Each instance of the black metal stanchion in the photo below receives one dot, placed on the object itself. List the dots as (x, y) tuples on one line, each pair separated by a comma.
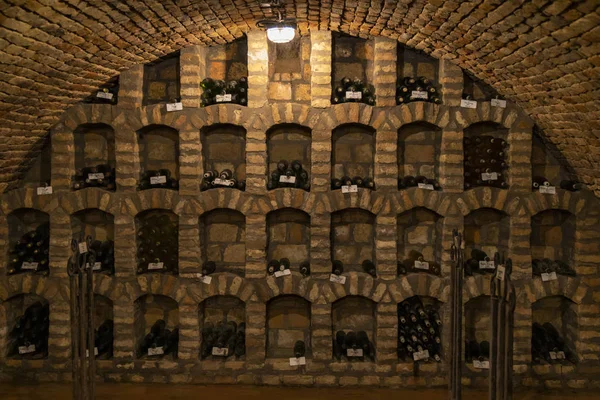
[(457, 253)]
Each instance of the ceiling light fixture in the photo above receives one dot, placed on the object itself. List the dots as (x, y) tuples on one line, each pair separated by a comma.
[(279, 30)]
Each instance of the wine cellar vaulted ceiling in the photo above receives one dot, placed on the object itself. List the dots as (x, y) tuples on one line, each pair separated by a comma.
[(544, 55)]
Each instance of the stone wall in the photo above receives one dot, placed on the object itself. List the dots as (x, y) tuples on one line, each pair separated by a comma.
[(352, 58), (94, 144), (488, 230), (419, 150), (289, 142), (353, 152), (158, 148), (352, 238), (288, 321), (93, 222), (289, 71), (288, 236), (161, 80), (223, 240), (228, 62), (553, 235), (420, 230), (224, 147)]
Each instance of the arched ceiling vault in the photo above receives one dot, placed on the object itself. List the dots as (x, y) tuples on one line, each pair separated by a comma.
[(544, 55)]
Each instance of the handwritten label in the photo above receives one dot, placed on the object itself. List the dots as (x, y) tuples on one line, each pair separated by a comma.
[(82, 247), (155, 266), (427, 186), (549, 276), (105, 95), (500, 272), (285, 272), (157, 351), (548, 189), (489, 176), (27, 349), (220, 351), (422, 265), (486, 264), (174, 107), (353, 95), (294, 362), (222, 182), (354, 352), (205, 279), (498, 103), (287, 179), (418, 94), (560, 355), (29, 265), (337, 279), (157, 180), (96, 267), (350, 189), (481, 364), (96, 176), (421, 355), (468, 103), (44, 190), (221, 98)]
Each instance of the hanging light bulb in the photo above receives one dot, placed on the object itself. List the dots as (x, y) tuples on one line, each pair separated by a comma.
[(281, 33)]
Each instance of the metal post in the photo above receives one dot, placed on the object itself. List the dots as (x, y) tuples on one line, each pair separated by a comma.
[(457, 253)]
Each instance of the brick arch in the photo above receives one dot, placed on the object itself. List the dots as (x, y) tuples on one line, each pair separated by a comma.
[(475, 286), (90, 198), (291, 198), (419, 285), (366, 199), (42, 286), (213, 199), (294, 284), (227, 113), (347, 113), (223, 284), (155, 114), (409, 199), (149, 199), (487, 197), (110, 287), (158, 284), (357, 284), (563, 200), (291, 113), (27, 198), (572, 288), (82, 114), (418, 111), (506, 117)]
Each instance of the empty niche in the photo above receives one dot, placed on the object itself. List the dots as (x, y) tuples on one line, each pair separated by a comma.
[(487, 231), (352, 59), (289, 70), (474, 89), (288, 144), (223, 240), (223, 326), (157, 241), (353, 155), (161, 80), (416, 71), (545, 167), (224, 153), (288, 321), (353, 317), (39, 170), (477, 329), (158, 147), (353, 238), (100, 226), (419, 241), (485, 149), (156, 326), (103, 320), (288, 236), (94, 157), (107, 93), (419, 329), (27, 324), (226, 73), (553, 242), (28, 241), (418, 154), (554, 330)]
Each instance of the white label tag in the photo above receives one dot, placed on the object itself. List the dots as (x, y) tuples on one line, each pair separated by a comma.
[(481, 364), (549, 276), (221, 98), (498, 103), (354, 95), (29, 265), (285, 272), (350, 189), (82, 247), (552, 355), (422, 265), (491, 176), (220, 351), (96, 176), (44, 190), (500, 271), (222, 182), (421, 355), (155, 266), (337, 278), (418, 94), (156, 180), (426, 186), (560, 355), (87, 352), (96, 267), (487, 264), (294, 362), (205, 279), (27, 349), (548, 189), (287, 179), (105, 95), (174, 107), (468, 103), (158, 351), (354, 353)]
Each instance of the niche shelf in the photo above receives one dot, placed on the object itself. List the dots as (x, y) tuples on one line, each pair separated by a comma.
[(487, 231), (545, 167), (353, 238), (289, 70), (553, 242), (477, 332), (353, 314), (353, 156), (39, 171), (417, 77), (287, 143), (419, 246), (226, 73), (418, 155), (107, 93), (157, 241), (554, 331), (474, 89), (94, 157), (288, 321), (27, 320), (485, 147), (419, 329), (288, 236), (103, 327), (164, 338), (352, 59), (223, 240), (224, 154), (28, 241), (100, 226), (222, 325), (159, 157), (161, 80)]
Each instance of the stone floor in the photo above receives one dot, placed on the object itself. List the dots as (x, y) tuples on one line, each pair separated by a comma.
[(169, 392)]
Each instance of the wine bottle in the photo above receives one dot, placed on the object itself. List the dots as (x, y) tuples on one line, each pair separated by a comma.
[(369, 268), (299, 349), (571, 186), (479, 255), (338, 267), (282, 166), (540, 181), (284, 264), (273, 266), (305, 268), (368, 183), (358, 181), (346, 181), (409, 181), (351, 342), (336, 184), (208, 267)]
